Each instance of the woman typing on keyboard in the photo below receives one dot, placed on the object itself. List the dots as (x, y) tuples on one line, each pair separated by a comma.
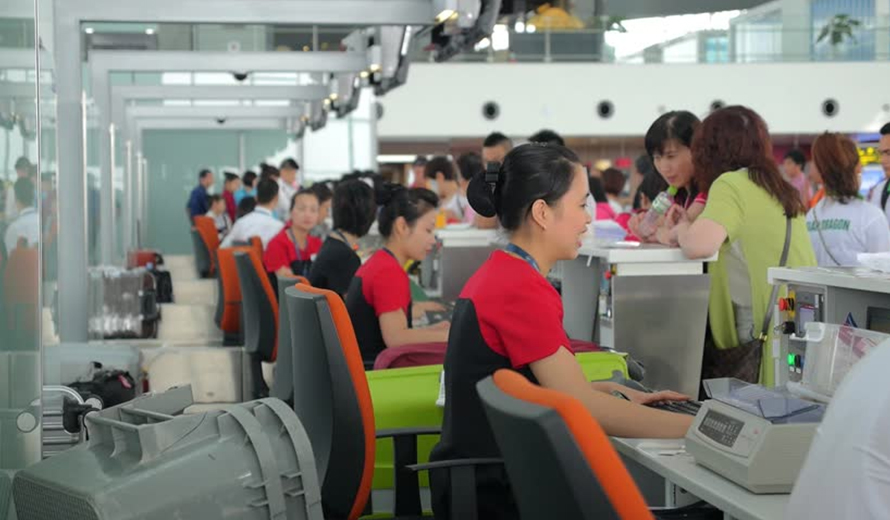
[(509, 316)]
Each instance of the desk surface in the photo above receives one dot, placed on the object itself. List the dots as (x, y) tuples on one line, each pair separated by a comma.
[(643, 254), (856, 278), (682, 470)]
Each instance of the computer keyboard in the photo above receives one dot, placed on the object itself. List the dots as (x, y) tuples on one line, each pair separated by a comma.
[(687, 407)]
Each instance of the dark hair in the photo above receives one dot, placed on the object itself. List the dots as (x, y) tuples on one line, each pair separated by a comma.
[(677, 125), (736, 137), (353, 207), (597, 190), (885, 130), (469, 164), (397, 201), (529, 172), (22, 163), (644, 165), (497, 139), (836, 158), (230, 177), (797, 156), (613, 181), (204, 173), (248, 178), (24, 191), (268, 172), (301, 193), (440, 164), (420, 160), (547, 137), (246, 205), (266, 191), (213, 199), (322, 191), (289, 164), (653, 184)]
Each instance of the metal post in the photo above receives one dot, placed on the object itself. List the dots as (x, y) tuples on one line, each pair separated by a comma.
[(547, 57), (144, 210), (112, 165), (242, 152), (72, 200), (129, 199), (101, 98)]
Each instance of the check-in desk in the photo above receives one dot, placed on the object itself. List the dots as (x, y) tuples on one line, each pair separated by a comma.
[(649, 301), (460, 253), (852, 296)]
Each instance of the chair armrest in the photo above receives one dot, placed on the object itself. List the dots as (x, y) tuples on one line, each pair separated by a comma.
[(442, 464), (413, 431)]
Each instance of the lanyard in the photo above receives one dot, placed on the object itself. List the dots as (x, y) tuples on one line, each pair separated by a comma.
[(343, 238), (296, 245), (523, 254)]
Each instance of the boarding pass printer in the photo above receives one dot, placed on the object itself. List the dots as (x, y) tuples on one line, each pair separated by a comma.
[(753, 436)]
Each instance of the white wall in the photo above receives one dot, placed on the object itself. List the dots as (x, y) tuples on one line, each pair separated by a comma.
[(445, 100)]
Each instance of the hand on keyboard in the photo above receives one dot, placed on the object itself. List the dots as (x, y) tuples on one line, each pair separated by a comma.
[(651, 398)]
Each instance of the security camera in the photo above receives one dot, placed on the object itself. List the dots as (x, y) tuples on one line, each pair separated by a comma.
[(605, 109), (830, 107), (221, 120), (240, 76)]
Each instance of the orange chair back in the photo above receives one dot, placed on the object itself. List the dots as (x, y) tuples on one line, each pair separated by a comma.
[(207, 229)]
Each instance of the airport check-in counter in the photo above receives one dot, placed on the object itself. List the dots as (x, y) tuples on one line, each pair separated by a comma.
[(851, 296), (459, 254), (649, 301)]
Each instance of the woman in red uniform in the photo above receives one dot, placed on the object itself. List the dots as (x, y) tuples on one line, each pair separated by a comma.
[(379, 297), (509, 316), (291, 252)]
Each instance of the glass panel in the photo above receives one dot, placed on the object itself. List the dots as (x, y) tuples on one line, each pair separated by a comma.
[(20, 231)]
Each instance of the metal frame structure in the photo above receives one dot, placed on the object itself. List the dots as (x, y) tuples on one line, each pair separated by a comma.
[(103, 63), (152, 123), (68, 16), (122, 95)]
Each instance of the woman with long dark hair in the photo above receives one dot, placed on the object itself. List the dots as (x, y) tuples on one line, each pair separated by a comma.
[(750, 211)]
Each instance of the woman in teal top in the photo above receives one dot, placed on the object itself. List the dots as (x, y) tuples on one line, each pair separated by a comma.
[(745, 221)]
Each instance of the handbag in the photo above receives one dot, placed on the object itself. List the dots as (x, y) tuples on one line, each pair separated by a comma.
[(743, 362)]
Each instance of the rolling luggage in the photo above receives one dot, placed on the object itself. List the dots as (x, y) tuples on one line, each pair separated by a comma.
[(124, 303)]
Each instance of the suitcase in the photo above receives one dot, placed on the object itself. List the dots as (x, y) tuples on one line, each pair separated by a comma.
[(124, 303), (144, 257), (164, 283)]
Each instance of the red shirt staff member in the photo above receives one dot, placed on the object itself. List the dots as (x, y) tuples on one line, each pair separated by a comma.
[(509, 316), (291, 252), (379, 297)]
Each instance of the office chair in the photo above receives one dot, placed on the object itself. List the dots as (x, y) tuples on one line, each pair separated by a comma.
[(203, 263), (259, 309), (207, 230), (283, 383), (574, 471), (332, 398), (228, 304), (257, 244)]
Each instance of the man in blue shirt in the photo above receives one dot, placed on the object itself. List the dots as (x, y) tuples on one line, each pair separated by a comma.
[(198, 204)]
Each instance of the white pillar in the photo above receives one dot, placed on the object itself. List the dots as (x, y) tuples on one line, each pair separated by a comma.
[(797, 34), (882, 34)]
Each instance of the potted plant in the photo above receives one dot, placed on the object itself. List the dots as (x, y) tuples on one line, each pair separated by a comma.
[(837, 31)]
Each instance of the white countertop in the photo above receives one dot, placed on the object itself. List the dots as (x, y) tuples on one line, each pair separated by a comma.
[(681, 469), (642, 254), (856, 278), (460, 236)]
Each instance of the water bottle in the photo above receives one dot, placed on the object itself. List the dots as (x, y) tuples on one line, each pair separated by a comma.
[(660, 206)]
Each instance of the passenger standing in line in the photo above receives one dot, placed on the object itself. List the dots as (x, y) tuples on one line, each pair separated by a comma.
[(748, 210), (468, 165), (324, 194), (198, 204), (260, 222), (880, 194), (23, 170), (613, 183), (26, 225), (288, 185), (231, 184), (842, 225), (668, 143), (793, 164), (247, 187)]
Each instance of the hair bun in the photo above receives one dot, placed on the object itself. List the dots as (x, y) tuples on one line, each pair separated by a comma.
[(481, 196), (385, 192)]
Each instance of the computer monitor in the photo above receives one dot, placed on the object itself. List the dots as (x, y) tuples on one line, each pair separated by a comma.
[(145, 462), (877, 320)]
